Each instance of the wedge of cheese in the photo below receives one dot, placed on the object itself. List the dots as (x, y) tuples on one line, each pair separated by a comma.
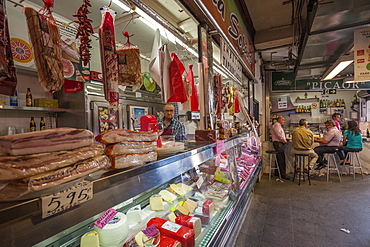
[(182, 209), (141, 239), (190, 206), (171, 217), (156, 203), (90, 239), (185, 187), (177, 189), (167, 196)]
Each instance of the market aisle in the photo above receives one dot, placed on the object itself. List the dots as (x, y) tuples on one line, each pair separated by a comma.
[(285, 214)]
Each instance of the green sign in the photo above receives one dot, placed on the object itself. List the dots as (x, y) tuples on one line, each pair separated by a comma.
[(285, 81)]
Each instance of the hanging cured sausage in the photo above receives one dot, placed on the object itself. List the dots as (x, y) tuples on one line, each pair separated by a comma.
[(45, 41), (108, 56), (8, 79)]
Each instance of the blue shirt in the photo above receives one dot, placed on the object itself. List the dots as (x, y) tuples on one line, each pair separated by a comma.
[(353, 141), (178, 129)]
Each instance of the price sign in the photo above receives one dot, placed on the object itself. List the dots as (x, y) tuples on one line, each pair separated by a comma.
[(65, 199), (220, 147)]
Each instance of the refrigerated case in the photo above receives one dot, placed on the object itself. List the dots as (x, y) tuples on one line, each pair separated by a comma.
[(22, 223)]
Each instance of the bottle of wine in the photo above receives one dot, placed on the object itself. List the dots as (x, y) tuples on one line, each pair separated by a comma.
[(42, 124), (28, 97), (32, 125), (367, 133)]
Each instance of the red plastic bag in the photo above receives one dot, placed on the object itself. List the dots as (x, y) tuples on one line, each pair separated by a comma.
[(178, 89)]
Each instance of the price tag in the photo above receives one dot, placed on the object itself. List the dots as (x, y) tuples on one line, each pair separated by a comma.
[(200, 182), (138, 95), (220, 147), (65, 199)]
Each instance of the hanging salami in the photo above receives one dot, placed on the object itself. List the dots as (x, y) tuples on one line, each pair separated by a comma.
[(129, 65), (108, 56), (84, 31), (45, 41), (8, 79)]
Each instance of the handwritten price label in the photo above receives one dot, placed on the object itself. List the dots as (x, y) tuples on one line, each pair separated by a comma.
[(220, 147), (65, 199)]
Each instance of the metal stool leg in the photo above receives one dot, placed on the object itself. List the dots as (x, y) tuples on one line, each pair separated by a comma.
[(277, 166), (359, 164), (270, 158)]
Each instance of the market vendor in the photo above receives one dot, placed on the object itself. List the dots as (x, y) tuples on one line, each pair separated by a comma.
[(171, 125)]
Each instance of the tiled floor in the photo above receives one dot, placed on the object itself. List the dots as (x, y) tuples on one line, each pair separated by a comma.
[(285, 214)]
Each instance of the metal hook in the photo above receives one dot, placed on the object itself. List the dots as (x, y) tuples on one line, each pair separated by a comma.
[(129, 21)]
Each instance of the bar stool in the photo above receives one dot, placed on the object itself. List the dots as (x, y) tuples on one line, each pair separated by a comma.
[(273, 159), (300, 163), (354, 162), (332, 165)]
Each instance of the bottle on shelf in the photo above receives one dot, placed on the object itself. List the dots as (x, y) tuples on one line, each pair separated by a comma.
[(343, 104), (42, 124), (14, 99), (28, 97), (32, 125), (367, 133)]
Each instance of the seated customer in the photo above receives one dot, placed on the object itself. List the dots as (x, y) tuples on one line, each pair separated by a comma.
[(352, 140), (302, 142), (328, 143)]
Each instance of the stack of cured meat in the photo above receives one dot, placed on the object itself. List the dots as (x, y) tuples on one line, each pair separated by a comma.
[(43, 159), (127, 148)]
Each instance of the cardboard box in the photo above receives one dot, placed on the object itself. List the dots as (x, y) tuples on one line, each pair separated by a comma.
[(49, 103)]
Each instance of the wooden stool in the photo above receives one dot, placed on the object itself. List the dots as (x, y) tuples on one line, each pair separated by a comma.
[(273, 159), (354, 162), (299, 166), (332, 165)]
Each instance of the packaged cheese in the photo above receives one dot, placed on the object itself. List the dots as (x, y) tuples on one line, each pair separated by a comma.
[(191, 222), (156, 203), (167, 196), (177, 189), (208, 208), (183, 234), (168, 242)]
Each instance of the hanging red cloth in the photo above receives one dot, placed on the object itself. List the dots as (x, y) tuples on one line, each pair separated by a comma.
[(178, 89), (236, 104), (194, 101)]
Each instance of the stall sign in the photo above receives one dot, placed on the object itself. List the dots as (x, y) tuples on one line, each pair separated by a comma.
[(230, 61), (230, 20), (65, 199), (362, 54), (283, 81)]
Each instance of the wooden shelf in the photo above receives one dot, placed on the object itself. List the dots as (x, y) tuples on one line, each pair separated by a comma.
[(309, 100), (28, 108)]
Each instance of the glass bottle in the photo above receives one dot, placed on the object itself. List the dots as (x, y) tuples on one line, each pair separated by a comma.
[(42, 124), (32, 125), (14, 99), (28, 97)]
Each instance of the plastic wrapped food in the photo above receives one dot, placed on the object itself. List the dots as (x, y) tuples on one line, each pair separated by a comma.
[(129, 64), (50, 140), (130, 148), (108, 56), (191, 222), (45, 40), (123, 135), (129, 160), (8, 79), (17, 167), (54, 180), (178, 232)]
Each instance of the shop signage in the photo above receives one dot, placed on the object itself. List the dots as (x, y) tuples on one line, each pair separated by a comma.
[(329, 91), (362, 54), (230, 61), (229, 19), (285, 81), (65, 199)]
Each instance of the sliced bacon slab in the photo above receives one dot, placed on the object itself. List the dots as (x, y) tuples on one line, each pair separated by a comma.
[(122, 135), (22, 166), (46, 141), (129, 160), (130, 148)]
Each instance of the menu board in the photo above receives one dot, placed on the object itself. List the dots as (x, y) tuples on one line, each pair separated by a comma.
[(108, 118)]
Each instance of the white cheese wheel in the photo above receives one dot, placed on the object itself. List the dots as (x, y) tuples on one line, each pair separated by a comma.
[(115, 232)]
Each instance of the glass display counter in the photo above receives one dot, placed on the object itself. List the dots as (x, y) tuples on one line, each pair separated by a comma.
[(223, 173)]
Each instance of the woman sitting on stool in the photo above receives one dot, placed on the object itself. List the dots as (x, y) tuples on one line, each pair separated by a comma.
[(352, 141)]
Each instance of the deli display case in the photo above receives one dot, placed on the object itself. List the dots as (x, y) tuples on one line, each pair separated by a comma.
[(223, 173)]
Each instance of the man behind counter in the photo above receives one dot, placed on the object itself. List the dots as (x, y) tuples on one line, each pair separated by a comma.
[(171, 125)]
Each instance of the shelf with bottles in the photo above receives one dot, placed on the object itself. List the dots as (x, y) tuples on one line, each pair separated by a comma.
[(335, 103), (303, 109)]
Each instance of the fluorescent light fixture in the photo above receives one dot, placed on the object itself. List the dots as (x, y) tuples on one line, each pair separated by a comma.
[(121, 5), (338, 66)]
